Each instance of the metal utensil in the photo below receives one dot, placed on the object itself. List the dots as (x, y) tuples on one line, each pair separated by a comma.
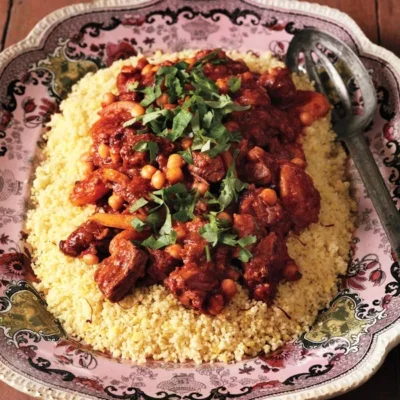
[(323, 57)]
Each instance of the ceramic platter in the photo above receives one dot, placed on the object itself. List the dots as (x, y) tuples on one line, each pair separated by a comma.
[(351, 338)]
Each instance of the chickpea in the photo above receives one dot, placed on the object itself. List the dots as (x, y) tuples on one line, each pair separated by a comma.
[(247, 76), (90, 259), (115, 157), (228, 288), (108, 98), (174, 175), (291, 272), (103, 150), (158, 179), (225, 216), (148, 171), (269, 196), (85, 156), (186, 143), (115, 202), (175, 251), (180, 232), (222, 86), (255, 153), (298, 161), (175, 161), (215, 304), (306, 118), (147, 69), (137, 110), (88, 167), (163, 99), (201, 187)]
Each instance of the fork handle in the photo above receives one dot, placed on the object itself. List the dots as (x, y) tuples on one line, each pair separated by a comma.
[(376, 188)]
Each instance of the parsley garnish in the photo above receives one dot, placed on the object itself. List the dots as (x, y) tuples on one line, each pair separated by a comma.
[(217, 231), (151, 147), (201, 114), (231, 187), (234, 84), (138, 204), (187, 155), (138, 224)]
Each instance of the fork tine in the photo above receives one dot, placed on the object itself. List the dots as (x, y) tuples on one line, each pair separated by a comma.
[(339, 83), (312, 72)]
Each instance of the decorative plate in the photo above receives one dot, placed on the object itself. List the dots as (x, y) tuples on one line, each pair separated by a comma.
[(351, 338)]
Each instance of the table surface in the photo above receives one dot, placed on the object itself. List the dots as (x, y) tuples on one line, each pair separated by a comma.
[(377, 18)]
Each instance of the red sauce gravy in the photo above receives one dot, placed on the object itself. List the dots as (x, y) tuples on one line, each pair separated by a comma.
[(279, 196)]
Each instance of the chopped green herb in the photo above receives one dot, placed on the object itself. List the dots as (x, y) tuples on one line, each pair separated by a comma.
[(161, 241), (151, 147), (207, 250), (132, 86), (250, 239), (231, 187), (138, 224), (185, 204), (186, 155), (234, 84), (138, 204), (154, 220), (206, 58), (244, 255), (179, 124)]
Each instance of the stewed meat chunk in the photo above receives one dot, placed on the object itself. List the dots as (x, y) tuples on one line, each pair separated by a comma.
[(160, 265), (210, 169), (90, 235), (279, 85), (267, 267), (200, 289), (117, 274), (299, 196), (89, 190)]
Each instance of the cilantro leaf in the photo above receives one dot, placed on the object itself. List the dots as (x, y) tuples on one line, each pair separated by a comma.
[(210, 232), (151, 92), (138, 204), (132, 86), (154, 220), (179, 124), (244, 255), (167, 226), (234, 84), (138, 224), (161, 241), (228, 239), (249, 239), (207, 250), (151, 147), (206, 58), (186, 155), (231, 187), (185, 204), (154, 115)]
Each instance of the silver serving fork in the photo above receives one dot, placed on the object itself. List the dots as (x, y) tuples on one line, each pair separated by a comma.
[(324, 56)]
